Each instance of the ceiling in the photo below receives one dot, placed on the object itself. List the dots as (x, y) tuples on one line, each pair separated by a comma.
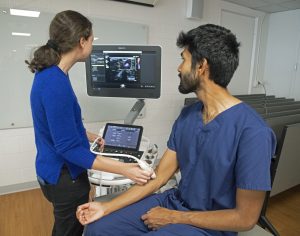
[(268, 6)]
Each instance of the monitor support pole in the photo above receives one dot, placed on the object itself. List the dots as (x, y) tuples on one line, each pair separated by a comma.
[(134, 112)]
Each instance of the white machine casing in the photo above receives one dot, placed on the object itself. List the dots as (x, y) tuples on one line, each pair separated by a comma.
[(146, 162)]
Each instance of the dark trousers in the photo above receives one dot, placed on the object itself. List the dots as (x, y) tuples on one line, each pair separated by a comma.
[(65, 197)]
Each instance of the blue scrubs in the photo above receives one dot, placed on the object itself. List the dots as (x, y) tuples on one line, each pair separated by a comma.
[(232, 151)]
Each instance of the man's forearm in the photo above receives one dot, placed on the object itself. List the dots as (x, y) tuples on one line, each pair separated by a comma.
[(132, 195), (221, 220), (164, 171), (243, 217)]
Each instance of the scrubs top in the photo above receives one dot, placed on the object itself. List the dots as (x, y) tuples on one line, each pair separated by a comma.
[(232, 151)]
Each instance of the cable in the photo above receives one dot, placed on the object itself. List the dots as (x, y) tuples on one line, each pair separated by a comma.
[(141, 163), (262, 84), (265, 99), (259, 48)]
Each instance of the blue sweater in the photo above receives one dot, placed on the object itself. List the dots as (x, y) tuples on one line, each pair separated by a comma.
[(59, 133)]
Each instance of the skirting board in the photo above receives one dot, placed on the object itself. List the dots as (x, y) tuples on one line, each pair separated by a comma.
[(18, 187), (256, 231)]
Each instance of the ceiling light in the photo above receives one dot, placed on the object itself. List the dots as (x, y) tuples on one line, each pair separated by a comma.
[(95, 38), (18, 12), (20, 34)]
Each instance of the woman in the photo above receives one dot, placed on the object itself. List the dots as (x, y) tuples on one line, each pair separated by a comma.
[(62, 142)]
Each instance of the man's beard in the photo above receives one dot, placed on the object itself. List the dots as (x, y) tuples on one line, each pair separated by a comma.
[(188, 83)]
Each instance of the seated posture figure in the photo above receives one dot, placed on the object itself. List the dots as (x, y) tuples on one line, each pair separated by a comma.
[(220, 145)]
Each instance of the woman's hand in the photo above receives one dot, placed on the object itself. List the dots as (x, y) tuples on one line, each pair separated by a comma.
[(89, 212), (136, 174), (92, 137)]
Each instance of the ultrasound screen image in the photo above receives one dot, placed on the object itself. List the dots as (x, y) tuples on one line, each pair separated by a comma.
[(125, 69)]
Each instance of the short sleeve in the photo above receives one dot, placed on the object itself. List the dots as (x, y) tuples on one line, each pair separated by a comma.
[(172, 138), (255, 150)]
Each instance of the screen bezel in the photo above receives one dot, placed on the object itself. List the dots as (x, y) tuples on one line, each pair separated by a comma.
[(126, 92), (124, 125)]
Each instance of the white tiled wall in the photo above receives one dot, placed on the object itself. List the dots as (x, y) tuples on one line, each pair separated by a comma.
[(165, 21)]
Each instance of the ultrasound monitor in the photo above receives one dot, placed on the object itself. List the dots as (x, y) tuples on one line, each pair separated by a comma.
[(119, 136), (128, 71)]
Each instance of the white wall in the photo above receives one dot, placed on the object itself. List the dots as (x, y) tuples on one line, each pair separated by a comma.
[(282, 54), (165, 21), (261, 56)]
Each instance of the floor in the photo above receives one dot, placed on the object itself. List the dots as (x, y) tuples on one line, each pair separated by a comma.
[(29, 214)]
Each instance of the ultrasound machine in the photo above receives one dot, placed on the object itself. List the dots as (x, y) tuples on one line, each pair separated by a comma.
[(125, 71)]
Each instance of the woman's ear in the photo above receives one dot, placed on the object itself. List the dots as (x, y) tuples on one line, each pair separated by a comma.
[(82, 42)]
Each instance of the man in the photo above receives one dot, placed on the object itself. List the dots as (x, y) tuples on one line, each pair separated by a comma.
[(221, 146)]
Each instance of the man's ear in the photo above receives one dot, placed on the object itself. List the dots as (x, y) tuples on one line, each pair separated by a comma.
[(202, 66)]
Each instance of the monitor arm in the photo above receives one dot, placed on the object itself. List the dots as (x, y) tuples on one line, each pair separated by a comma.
[(134, 112)]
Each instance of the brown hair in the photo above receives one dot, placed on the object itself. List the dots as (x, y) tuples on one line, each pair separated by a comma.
[(65, 32)]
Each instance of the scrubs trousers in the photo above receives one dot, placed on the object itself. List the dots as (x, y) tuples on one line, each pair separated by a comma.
[(127, 221)]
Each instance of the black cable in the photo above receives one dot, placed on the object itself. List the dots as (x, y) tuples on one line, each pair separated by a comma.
[(265, 100)]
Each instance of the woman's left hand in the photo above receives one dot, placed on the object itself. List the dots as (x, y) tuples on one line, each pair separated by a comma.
[(92, 137)]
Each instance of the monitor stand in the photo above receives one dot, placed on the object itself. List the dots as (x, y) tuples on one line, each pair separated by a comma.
[(134, 112)]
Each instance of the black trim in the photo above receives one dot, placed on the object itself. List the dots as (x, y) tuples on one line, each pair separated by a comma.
[(127, 92), (133, 2)]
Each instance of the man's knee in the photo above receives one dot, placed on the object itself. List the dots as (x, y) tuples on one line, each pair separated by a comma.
[(179, 230), (105, 226), (94, 229)]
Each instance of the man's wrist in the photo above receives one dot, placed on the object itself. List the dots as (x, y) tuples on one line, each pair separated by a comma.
[(175, 217), (106, 208)]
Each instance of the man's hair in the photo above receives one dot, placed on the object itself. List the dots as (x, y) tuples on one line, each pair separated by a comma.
[(217, 45)]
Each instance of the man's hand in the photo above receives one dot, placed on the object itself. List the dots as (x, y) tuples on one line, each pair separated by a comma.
[(158, 217), (89, 212)]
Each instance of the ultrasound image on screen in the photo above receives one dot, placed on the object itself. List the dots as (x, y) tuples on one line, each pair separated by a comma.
[(116, 70), (122, 68)]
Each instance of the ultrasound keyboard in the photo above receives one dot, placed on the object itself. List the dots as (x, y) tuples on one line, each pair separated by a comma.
[(137, 154)]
